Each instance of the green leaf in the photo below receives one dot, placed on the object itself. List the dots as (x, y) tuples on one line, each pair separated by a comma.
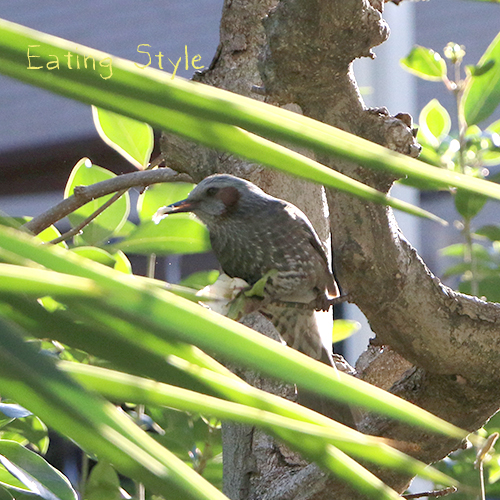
[(468, 205), (159, 195), (213, 117), (11, 482), (46, 235), (200, 279), (103, 483), (490, 231), (488, 287), (125, 230), (34, 430), (492, 156), (112, 219), (425, 63), (5, 495), (482, 91), (258, 288), (122, 263), (458, 250), (435, 122), (39, 282), (343, 329), (134, 140), (35, 473), (182, 234), (96, 254), (96, 425), (296, 432), (51, 233), (172, 319)]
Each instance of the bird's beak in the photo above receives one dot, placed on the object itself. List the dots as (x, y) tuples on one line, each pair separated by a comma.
[(174, 208)]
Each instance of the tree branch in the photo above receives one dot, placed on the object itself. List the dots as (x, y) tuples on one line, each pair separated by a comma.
[(84, 194), (75, 230), (305, 61)]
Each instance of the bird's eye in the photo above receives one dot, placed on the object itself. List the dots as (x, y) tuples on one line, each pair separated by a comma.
[(211, 191)]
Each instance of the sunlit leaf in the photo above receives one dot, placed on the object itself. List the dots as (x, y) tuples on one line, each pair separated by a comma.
[(482, 90), (425, 63), (134, 140), (96, 254), (182, 234), (435, 122), (104, 225), (37, 475), (343, 329)]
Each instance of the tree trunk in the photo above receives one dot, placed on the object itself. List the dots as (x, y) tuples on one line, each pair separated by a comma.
[(435, 347)]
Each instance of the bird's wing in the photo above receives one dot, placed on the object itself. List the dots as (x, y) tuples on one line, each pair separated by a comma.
[(331, 284)]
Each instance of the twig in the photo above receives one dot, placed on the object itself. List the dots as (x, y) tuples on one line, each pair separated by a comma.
[(433, 494), (89, 219), (84, 194)]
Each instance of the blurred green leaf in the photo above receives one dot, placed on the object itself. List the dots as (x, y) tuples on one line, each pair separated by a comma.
[(182, 234), (303, 436), (490, 231), (482, 91), (51, 233), (480, 269), (492, 155), (125, 230), (169, 318), (200, 279), (33, 429), (134, 140), (435, 122), (159, 195), (112, 219), (425, 63), (5, 495), (468, 205), (343, 329), (122, 263), (459, 249), (488, 287), (11, 482), (96, 254), (39, 282), (103, 483), (96, 425), (35, 473)]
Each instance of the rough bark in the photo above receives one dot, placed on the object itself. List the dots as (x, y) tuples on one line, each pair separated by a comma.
[(435, 347)]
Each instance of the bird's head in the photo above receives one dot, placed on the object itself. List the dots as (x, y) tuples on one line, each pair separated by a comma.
[(216, 197)]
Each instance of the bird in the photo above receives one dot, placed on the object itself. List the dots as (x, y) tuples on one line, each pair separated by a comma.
[(254, 234)]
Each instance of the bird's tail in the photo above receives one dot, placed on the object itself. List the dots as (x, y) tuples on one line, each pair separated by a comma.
[(309, 332), (302, 328)]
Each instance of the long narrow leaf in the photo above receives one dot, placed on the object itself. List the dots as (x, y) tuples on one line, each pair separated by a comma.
[(41, 282), (96, 425), (123, 387), (206, 114), (178, 319), (118, 94)]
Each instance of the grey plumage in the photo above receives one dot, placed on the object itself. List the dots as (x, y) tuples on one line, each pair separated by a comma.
[(253, 233)]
